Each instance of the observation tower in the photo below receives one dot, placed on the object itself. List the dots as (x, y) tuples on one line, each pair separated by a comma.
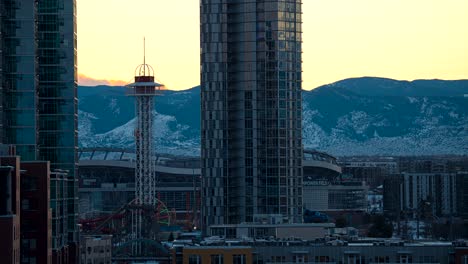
[(144, 89)]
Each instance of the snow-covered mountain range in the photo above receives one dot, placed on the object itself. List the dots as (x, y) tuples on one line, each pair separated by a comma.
[(360, 116)]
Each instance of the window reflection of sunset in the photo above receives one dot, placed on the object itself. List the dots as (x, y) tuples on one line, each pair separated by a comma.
[(342, 38)]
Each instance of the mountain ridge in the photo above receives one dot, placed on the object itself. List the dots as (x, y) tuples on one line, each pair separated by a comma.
[(356, 116)]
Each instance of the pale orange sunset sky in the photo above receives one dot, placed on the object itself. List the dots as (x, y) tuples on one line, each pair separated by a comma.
[(400, 39)]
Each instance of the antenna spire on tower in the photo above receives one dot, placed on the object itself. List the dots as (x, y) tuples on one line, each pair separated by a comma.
[(144, 54)]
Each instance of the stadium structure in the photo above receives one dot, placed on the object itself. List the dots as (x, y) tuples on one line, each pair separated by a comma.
[(320, 165), (107, 182), (326, 193)]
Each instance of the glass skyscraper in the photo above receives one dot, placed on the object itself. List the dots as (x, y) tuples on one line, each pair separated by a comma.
[(251, 125), (18, 76), (38, 93)]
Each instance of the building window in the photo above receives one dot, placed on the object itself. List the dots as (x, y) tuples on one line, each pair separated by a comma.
[(217, 259), (29, 184), (382, 259), (217, 232), (194, 259), (239, 259), (428, 259), (231, 233), (278, 259), (405, 259), (354, 259), (302, 258), (322, 259), (32, 244)]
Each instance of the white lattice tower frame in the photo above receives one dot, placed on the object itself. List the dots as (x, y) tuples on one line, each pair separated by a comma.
[(145, 157), (144, 90)]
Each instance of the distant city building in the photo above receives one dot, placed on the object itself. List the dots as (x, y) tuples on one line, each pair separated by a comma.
[(433, 164), (438, 189), (96, 249), (354, 253), (389, 165), (417, 193), (335, 196), (251, 117), (373, 176), (334, 251), (38, 80), (372, 170), (422, 165), (271, 230), (217, 255)]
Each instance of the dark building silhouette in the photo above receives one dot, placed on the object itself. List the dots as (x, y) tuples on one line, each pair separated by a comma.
[(251, 102), (38, 95), (25, 209), (9, 208), (462, 194), (36, 215), (392, 195)]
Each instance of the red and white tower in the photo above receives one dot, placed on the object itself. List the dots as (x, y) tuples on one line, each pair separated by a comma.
[(144, 89)]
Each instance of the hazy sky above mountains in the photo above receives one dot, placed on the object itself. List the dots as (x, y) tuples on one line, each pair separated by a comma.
[(400, 39)]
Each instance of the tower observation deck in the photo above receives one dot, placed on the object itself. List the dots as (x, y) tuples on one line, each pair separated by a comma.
[(144, 89)]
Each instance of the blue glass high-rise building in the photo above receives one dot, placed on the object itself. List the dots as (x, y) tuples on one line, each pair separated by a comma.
[(18, 75), (38, 93), (251, 125)]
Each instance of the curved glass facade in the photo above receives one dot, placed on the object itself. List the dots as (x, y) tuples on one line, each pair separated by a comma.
[(57, 97), (251, 110)]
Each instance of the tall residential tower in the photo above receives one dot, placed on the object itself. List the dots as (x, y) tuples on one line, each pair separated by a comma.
[(251, 127), (38, 99)]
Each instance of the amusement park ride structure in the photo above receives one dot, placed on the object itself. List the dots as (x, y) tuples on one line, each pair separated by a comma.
[(145, 212), (136, 225), (144, 89)]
